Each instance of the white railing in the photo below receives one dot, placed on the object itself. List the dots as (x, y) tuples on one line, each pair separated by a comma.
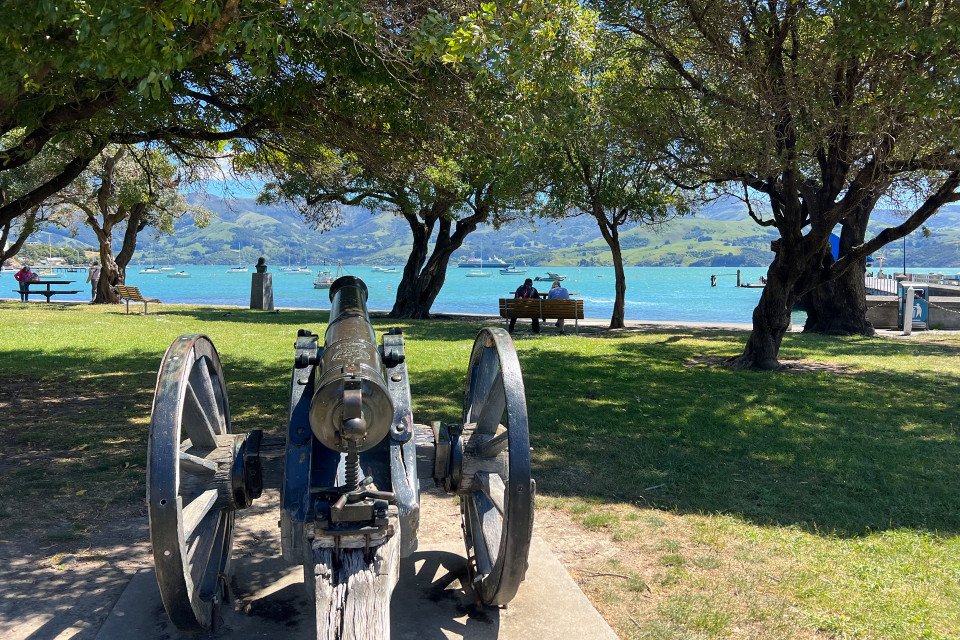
[(934, 278), (889, 284), (883, 285)]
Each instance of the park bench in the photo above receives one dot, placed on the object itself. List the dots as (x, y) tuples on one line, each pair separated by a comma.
[(133, 294), (543, 309)]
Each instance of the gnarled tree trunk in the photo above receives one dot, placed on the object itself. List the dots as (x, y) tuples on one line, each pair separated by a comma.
[(839, 307), (110, 272), (772, 315), (415, 293), (424, 277)]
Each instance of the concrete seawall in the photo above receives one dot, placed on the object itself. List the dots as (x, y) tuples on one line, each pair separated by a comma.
[(943, 312)]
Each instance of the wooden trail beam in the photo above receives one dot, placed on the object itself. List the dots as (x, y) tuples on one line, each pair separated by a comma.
[(353, 590)]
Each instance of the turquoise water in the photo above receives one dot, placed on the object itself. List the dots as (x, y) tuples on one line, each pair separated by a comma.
[(653, 293)]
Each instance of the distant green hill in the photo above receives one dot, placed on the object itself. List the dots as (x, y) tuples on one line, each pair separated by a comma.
[(721, 234)]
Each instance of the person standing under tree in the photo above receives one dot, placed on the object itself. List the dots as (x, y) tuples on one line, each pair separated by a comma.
[(93, 277), (526, 290), (558, 292)]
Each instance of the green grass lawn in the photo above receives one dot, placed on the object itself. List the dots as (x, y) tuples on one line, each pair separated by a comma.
[(816, 504)]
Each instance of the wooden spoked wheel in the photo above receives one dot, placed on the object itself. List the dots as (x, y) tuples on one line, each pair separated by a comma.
[(189, 460), (493, 477)]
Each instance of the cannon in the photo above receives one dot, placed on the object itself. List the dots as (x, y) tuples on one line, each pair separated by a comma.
[(347, 471)]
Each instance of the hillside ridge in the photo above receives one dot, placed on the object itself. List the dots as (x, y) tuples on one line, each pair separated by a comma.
[(719, 234)]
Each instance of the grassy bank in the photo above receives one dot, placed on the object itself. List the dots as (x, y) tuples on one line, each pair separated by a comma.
[(815, 504)]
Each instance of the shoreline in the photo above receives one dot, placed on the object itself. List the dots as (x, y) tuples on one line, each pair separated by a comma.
[(594, 324)]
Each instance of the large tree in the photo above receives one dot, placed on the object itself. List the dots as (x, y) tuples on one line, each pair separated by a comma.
[(598, 167), (820, 106), (448, 151), (442, 198), (130, 189)]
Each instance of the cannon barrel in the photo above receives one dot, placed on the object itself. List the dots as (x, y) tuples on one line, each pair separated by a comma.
[(351, 408)]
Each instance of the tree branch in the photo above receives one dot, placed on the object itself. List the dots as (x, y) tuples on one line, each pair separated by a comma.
[(36, 197), (946, 194)]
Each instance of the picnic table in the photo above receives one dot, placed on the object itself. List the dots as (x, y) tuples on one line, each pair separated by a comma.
[(48, 291)]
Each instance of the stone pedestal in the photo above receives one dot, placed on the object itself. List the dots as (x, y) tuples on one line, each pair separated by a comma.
[(261, 291)]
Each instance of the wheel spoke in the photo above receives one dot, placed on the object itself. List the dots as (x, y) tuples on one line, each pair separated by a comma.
[(480, 552), (197, 422), (203, 386), (196, 465), (493, 487), (496, 445), (198, 557), (490, 408), (195, 512), (491, 527), (483, 376)]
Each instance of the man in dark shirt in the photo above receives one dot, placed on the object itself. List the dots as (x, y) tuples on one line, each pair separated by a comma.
[(526, 290)]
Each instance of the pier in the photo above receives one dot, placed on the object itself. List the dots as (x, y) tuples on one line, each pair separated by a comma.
[(942, 293)]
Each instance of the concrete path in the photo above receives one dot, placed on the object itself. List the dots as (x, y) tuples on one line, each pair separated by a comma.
[(429, 602)]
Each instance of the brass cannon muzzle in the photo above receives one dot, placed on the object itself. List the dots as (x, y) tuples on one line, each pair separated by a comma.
[(351, 408)]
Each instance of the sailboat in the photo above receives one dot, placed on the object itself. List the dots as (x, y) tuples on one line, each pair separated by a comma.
[(480, 273), (238, 269)]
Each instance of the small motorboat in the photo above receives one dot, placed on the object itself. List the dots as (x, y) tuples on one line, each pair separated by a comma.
[(178, 274), (238, 270), (512, 271), (550, 277), (323, 280), (150, 270), (385, 269)]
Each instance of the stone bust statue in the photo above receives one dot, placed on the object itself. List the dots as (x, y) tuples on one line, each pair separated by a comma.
[(261, 265)]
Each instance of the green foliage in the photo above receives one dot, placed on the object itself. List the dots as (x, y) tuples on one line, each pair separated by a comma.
[(135, 186)]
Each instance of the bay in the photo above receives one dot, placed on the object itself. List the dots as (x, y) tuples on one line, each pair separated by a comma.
[(653, 293)]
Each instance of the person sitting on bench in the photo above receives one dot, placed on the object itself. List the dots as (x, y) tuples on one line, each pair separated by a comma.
[(527, 290), (558, 292)]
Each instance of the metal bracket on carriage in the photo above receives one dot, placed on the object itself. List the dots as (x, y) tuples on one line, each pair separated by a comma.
[(247, 475), (359, 536), (362, 509)]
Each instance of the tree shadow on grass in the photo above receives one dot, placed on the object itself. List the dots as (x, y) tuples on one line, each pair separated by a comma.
[(824, 451), (84, 427), (834, 453), (306, 318), (316, 321)]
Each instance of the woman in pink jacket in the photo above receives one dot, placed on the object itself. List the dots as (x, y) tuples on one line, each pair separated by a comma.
[(24, 277)]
